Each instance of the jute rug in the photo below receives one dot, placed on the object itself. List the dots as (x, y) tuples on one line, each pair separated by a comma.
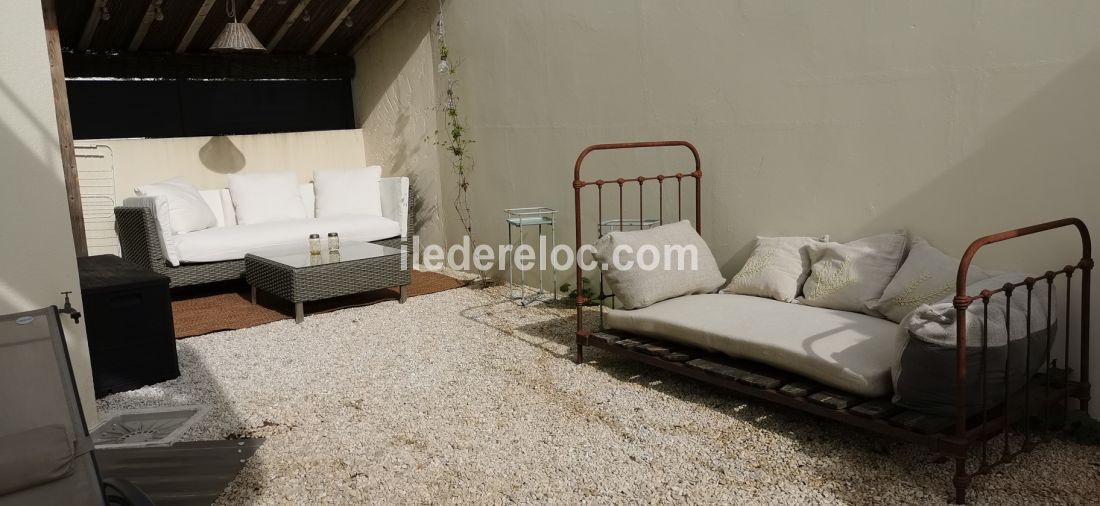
[(229, 306)]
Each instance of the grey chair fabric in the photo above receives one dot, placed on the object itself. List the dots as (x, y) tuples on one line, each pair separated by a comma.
[(45, 451)]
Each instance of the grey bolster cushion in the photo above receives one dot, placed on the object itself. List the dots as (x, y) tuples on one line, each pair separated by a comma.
[(925, 367)]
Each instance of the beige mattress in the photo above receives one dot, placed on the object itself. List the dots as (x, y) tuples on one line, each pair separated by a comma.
[(849, 351)]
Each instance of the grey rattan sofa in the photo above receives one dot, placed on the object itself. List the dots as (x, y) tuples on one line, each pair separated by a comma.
[(138, 236)]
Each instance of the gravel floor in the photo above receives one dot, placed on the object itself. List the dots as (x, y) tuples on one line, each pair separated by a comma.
[(461, 397)]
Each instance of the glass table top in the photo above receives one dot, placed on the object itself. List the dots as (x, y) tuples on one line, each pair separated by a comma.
[(299, 257)]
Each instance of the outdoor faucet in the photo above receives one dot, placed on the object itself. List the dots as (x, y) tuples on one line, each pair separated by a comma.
[(69, 309)]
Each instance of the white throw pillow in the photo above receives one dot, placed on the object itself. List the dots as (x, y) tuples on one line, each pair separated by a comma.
[(636, 286), (264, 197), (852, 276), (777, 268), (926, 277), (162, 217), (342, 192), (186, 207)]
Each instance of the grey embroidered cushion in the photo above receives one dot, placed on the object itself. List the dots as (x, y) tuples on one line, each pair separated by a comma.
[(675, 273), (777, 268), (926, 277), (852, 276)]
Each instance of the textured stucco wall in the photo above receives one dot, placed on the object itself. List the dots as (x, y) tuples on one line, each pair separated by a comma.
[(37, 259), (395, 96), (950, 118)]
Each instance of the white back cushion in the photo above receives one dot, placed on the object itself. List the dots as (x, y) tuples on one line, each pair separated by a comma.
[(187, 209), (308, 199), (213, 199), (342, 192), (395, 201), (264, 197), (230, 218), (159, 206)]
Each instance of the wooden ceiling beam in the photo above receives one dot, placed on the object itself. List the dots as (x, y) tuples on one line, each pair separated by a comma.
[(90, 25), (146, 22), (193, 29), (252, 11), (290, 19), (332, 27), (376, 26)]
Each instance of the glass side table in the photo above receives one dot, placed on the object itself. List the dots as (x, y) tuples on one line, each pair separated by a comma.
[(519, 219), (626, 224)]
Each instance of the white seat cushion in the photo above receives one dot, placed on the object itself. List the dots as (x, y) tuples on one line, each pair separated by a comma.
[(850, 351), (264, 197), (231, 243)]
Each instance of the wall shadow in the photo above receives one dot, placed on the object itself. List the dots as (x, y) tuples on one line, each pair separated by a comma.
[(1037, 163), (220, 155)]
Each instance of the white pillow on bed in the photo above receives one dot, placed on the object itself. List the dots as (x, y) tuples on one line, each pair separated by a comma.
[(777, 268), (926, 277), (852, 276), (637, 287)]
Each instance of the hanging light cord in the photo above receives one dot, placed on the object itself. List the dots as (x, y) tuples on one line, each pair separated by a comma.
[(231, 9)]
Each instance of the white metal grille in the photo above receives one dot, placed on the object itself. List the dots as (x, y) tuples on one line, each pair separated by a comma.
[(96, 172)]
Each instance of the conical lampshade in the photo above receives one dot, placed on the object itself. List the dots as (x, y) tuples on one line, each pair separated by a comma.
[(236, 37)]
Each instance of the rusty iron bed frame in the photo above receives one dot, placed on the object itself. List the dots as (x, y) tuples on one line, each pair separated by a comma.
[(956, 437)]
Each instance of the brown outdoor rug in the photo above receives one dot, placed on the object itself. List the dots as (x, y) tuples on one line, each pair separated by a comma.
[(214, 308)]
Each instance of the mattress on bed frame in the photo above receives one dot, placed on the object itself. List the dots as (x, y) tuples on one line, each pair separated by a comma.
[(849, 351)]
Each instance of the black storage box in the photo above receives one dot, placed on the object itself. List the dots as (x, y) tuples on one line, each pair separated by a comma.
[(128, 310)]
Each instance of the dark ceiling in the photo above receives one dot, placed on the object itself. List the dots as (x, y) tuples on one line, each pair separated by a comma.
[(289, 27)]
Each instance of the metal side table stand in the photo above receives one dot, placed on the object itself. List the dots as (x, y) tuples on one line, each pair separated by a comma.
[(520, 218)]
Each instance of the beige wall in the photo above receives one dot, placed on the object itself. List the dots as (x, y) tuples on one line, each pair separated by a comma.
[(395, 93), (207, 161), (37, 260), (950, 118)]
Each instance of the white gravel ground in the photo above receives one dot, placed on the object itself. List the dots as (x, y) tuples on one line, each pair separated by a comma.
[(462, 397)]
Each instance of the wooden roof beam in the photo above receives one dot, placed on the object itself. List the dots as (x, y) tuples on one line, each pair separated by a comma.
[(377, 25), (290, 19), (193, 29), (252, 11), (90, 25), (332, 27), (146, 22)]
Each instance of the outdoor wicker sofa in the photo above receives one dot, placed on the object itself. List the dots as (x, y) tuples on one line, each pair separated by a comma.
[(723, 339), (139, 236)]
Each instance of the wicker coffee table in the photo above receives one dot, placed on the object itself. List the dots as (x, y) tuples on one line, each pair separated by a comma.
[(293, 274)]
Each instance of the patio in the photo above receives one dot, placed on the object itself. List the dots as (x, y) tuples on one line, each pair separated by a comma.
[(478, 401)]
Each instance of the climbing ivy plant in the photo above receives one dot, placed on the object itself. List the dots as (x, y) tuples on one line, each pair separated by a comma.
[(454, 140)]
